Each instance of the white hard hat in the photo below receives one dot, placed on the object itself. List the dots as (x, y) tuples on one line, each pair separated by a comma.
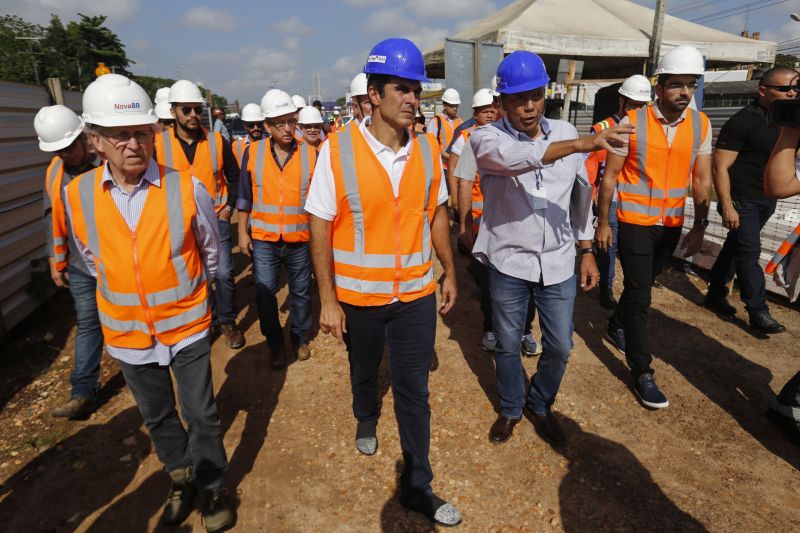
[(482, 97), (57, 126), (185, 92), (358, 86), (336, 112), (252, 113), (309, 115), (493, 86), (163, 110), (637, 87), (299, 101), (114, 100), (276, 103), (162, 95), (683, 59), (451, 96)]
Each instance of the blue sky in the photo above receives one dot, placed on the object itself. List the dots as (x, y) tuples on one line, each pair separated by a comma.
[(237, 47)]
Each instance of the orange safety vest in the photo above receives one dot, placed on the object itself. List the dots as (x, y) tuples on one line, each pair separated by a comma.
[(445, 132), (151, 281), (207, 164), (279, 196), (239, 146), (596, 162), (655, 178), (58, 217), (477, 194), (382, 244)]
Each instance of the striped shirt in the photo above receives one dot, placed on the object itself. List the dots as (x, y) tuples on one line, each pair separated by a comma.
[(206, 235), (536, 245)]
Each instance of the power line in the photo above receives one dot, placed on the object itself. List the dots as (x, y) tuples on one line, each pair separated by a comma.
[(746, 8), (695, 5)]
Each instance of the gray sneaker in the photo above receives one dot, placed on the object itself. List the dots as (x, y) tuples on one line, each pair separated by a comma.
[(366, 437), (489, 342), (180, 497), (529, 346)]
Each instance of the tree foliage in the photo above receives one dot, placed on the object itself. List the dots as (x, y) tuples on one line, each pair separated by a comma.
[(17, 56), (786, 60)]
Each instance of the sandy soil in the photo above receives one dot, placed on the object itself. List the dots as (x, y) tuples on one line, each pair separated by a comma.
[(710, 462)]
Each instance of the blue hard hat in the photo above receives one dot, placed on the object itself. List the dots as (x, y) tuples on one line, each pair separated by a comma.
[(521, 71), (396, 57)]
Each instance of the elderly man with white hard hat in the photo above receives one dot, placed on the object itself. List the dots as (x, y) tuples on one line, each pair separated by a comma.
[(634, 93), (668, 156), (310, 121), (276, 173), (149, 236), (60, 132)]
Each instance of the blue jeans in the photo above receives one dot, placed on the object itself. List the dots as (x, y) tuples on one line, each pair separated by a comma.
[(267, 260), (605, 260), (85, 378), (740, 254), (555, 304), (223, 307)]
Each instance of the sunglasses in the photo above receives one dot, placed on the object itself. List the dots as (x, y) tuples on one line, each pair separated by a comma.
[(783, 88), (252, 125), (187, 110)]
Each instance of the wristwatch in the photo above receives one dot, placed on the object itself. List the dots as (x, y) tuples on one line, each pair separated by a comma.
[(701, 223), (590, 250)]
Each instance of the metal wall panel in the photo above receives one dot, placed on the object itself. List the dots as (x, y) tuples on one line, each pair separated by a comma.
[(22, 175), (460, 74)]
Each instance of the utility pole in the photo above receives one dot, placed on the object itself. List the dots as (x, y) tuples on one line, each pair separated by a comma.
[(655, 38), (33, 55)]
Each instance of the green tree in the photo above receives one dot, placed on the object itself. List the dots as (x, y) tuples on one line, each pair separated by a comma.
[(93, 43), (786, 60), (340, 101), (152, 83), (19, 58)]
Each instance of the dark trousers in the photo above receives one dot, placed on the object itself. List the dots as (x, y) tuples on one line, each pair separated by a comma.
[(643, 252), (202, 446), (410, 329), (223, 307), (606, 259), (480, 273), (267, 260), (85, 377), (740, 255)]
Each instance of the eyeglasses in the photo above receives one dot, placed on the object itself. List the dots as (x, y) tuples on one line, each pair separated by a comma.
[(124, 137), (783, 88), (292, 123), (675, 86), (187, 110)]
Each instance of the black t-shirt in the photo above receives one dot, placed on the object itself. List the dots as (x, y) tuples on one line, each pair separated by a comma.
[(230, 166), (748, 133)]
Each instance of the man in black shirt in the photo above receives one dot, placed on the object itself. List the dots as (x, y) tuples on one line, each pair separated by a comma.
[(743, 148)]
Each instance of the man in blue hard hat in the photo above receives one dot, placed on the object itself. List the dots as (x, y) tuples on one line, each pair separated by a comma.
[(378, 209), (537, 206)]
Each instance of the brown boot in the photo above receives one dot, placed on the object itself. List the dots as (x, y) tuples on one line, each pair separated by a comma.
[(180, 498), (233, 336), (75, 407), (218, 515), (303, 352), (277, 357)]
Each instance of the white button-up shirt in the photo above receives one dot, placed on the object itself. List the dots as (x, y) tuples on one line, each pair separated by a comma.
[(536, 245)]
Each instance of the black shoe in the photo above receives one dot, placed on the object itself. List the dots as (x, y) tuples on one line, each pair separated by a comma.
[(218, 514), (606, 297), (432, 507), (718, 304), (180, 497), (763, 322), (547, 426)]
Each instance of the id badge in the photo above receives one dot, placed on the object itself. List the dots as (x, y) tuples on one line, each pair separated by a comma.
[(539, 199)]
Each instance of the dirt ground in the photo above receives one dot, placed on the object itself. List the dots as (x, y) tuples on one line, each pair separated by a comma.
[(710, 462)]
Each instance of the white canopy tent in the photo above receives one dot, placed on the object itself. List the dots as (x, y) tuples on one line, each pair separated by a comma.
[(612, 36)]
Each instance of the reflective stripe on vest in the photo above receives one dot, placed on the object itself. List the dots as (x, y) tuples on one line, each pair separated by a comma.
[(169, 160), (272, 209), (54, 180), (359, 256), (186, 287)]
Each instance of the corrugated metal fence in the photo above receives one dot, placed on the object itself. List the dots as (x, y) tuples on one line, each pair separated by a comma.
[(22, 169)]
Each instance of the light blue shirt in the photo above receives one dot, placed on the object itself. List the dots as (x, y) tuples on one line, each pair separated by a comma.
[(206, 234), (536, 245)]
